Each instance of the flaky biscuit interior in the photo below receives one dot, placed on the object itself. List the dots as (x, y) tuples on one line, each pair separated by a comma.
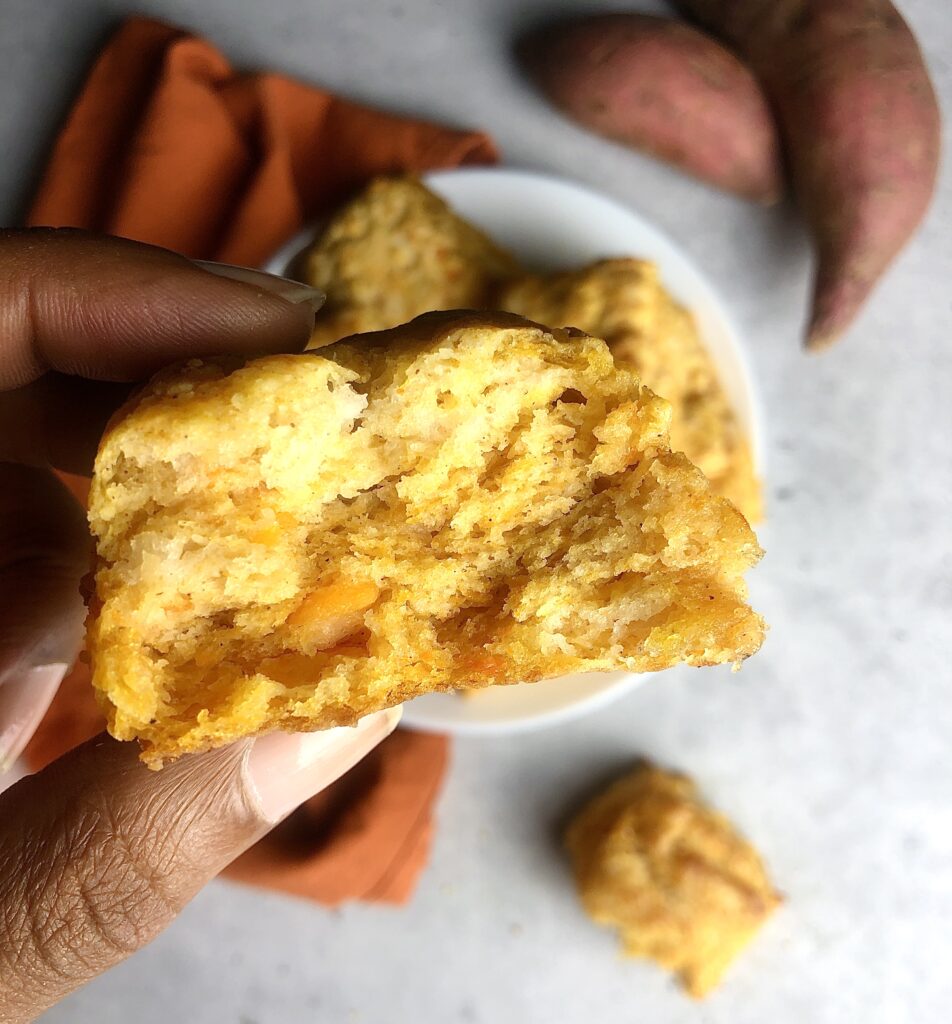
[(297, 541), (625, 302)]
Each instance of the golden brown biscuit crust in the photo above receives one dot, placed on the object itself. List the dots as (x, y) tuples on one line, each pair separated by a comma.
[(395, 251)]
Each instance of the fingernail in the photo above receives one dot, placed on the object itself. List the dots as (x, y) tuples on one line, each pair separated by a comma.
[(24, 701), (291, 291), (285, 769)]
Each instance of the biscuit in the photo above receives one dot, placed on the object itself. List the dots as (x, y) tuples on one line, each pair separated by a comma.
[(469, 499), (395, 251), (624, 302), (672, 875)]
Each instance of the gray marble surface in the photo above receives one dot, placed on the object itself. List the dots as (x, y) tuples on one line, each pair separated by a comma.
[(831, 748)]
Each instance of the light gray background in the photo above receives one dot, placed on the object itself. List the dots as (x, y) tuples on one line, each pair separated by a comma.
[(831, 748)]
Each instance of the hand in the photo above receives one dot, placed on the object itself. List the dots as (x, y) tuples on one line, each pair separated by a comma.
[(98, 854)]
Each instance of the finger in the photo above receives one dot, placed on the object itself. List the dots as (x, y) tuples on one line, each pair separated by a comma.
[(44, 552), (111, 309), (98, 854)]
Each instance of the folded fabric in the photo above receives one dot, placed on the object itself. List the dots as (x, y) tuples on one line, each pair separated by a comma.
[(167, 144)]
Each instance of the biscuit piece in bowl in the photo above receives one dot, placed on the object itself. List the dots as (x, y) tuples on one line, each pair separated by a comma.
[(395, 251), (469, 499), (624, 302), (671, 874)]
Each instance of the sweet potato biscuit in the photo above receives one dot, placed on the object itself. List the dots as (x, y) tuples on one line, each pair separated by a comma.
[(623, 301), (396, 251), (466, 500), (672, 875)]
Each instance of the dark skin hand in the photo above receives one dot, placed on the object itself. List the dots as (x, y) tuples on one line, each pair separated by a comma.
[(98, 854)]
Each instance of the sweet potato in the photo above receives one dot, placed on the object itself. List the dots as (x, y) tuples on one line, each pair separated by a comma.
[(661, 86), (861, 125)]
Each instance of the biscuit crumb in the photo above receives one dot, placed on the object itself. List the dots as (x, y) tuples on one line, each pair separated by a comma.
[(672, 875)]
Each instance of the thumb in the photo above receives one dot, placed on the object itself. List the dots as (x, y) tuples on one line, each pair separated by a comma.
[(44, 551), (98, 854)]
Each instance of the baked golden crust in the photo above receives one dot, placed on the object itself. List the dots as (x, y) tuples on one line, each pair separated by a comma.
[(464, 500), (672, 875), (624, 302), (395, 251)]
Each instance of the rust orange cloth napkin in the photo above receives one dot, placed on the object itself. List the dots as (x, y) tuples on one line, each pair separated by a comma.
[(167, 144)]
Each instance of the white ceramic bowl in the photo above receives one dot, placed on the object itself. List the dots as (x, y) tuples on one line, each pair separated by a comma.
[(549, 224)]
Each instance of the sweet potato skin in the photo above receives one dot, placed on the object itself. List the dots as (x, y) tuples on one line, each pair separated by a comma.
[(663, 87), (861, 125)]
